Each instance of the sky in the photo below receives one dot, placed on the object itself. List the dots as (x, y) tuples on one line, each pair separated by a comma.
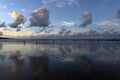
[(28, 17)]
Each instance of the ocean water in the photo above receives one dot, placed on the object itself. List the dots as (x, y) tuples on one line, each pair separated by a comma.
[(85, 61)]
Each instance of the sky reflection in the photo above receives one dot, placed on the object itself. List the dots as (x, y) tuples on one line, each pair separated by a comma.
[(46, 61)]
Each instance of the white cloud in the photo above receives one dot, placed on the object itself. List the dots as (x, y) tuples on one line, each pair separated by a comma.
[(60, 3), (19, 19), (3, 6), (68, 24), (72, 2), (40, 18), (108, 23), (23, 10), (87, 16)]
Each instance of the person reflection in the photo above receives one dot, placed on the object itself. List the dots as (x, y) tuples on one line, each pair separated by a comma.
[(24, 42), (39, 66), (1, 46), (18, 63)]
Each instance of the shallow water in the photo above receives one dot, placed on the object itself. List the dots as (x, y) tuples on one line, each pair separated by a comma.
[(88, 61)]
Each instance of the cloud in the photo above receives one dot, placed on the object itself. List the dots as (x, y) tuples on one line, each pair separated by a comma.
[(18, 29), (109, 23), (3, 6), (64, 32), (68, 24), (3, 24), (118, 14), (72, 2), (61, 33), (40, 18), (1, 33), (60, 3), (23, 10), (19, 19), (43, 29), (87, 19), (68, 33), (6, 29)]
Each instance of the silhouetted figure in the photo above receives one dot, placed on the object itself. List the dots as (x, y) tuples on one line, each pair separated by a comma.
[(24, 42), (53, 41)]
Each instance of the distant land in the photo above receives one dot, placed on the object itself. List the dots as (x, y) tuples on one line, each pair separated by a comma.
[(60, 40), (83, 38), (5, 38)]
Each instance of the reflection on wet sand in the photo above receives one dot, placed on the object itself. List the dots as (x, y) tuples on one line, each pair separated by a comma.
[(2, 57), (59, 62), (39, 66), (86, 68), (18, 63), (86, 64)]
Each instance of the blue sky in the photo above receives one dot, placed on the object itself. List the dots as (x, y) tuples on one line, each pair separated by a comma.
[(63, 12)]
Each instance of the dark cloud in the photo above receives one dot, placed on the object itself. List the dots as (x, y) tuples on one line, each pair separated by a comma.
[(3, 24), (6, 29), (40, 18), (44, 29), (1, 33), (67, 33), (62, 32), (19, 19), (18, 29), (118, 14), (87, 19)]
